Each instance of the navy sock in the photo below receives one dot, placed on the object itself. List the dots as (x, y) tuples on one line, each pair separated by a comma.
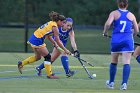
[(65, 63), (138, 58), (113, 69), (41, 66), (126, 72)]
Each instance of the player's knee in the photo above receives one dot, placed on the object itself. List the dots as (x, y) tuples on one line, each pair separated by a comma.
[(47, 58), (38, 58), (138, 58)]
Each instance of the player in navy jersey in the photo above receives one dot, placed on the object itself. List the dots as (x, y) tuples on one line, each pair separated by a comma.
[(65, 32), (136, 53), (122, 41)]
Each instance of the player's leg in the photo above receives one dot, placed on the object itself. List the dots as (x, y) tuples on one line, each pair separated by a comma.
[(136, 54), (112, 70), (65, 63), (113, 66), (126, 57), (47, 62), (29, 60), (55, 54), (32, 59)]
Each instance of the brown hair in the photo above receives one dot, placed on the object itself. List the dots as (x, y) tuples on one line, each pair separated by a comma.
[(122, 3), (54, 16)]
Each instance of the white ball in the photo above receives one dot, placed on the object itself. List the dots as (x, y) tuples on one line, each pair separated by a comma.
[(94, 75)]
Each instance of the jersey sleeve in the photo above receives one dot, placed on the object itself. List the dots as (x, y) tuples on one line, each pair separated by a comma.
[(54, 24)]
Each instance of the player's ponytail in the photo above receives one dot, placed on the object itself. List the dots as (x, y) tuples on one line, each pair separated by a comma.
[(122, 3), (54, 16)]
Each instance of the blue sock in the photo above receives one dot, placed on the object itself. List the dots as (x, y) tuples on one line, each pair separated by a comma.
[(65, 63), (41, 66), (126, 72), (138, 58), (113, 69)]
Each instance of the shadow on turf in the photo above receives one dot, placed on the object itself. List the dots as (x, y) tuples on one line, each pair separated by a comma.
[(37, 77)]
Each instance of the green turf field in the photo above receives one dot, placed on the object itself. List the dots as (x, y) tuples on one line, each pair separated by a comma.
[(13, 82)]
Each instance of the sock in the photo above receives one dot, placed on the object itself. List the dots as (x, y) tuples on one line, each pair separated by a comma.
[(113, 69), (29, 60), (65, 63), (138, 58), (41, 66), (48, 67), (126, 72)]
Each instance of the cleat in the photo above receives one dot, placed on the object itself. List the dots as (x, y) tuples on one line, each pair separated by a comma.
[(52, 76), (123, 86), (71, 73), (20, 67), (38, 71), (110, 85)]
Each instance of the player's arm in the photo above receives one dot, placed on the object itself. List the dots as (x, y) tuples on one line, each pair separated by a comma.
[(57, 39), (135, 25), (72, 40), (108, 23), (73, 44), (52, 41), (139, 24)]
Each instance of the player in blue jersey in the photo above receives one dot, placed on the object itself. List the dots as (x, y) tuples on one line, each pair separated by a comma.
[(65, 32), (122, 41), (136, 53)]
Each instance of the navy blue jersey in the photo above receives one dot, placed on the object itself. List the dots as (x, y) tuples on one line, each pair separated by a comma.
[(64, 35), (122, 35)]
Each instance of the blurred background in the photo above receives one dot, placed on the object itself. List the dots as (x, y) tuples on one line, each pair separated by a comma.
[(20, 18)]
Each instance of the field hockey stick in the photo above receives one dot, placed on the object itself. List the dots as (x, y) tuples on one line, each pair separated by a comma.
[(107, 36), (135, 43), (138, 35), (83, 60), (61, 50), (80, 60), (90, 76)]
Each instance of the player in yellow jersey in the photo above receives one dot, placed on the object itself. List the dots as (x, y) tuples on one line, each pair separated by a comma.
[(39, 47)]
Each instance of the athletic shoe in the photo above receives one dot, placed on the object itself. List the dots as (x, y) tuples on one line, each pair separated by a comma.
[(52, 76), (38, 71), (110, 85), (20, 67), (123, 86), (71, 73)]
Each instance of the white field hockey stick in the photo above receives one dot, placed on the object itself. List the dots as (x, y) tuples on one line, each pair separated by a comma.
[(80, 60)]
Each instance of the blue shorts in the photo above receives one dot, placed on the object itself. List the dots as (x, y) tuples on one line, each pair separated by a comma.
[(124, 46), (122, 42), (36, 42)]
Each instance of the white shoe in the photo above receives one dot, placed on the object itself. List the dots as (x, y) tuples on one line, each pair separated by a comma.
[(123, 86), (110, 85)]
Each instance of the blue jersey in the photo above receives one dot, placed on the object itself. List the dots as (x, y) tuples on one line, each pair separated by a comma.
[(64, 35), (122, 35)]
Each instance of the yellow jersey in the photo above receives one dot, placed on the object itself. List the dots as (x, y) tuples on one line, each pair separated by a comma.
[(45, 29)]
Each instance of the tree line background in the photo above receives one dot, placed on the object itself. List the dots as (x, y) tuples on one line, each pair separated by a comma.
[(21, 17), (84, 12)]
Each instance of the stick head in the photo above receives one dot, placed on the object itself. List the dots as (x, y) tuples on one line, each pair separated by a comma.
[(91, 77)]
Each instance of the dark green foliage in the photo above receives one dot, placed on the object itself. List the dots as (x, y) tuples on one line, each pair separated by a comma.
[(84, 12)]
